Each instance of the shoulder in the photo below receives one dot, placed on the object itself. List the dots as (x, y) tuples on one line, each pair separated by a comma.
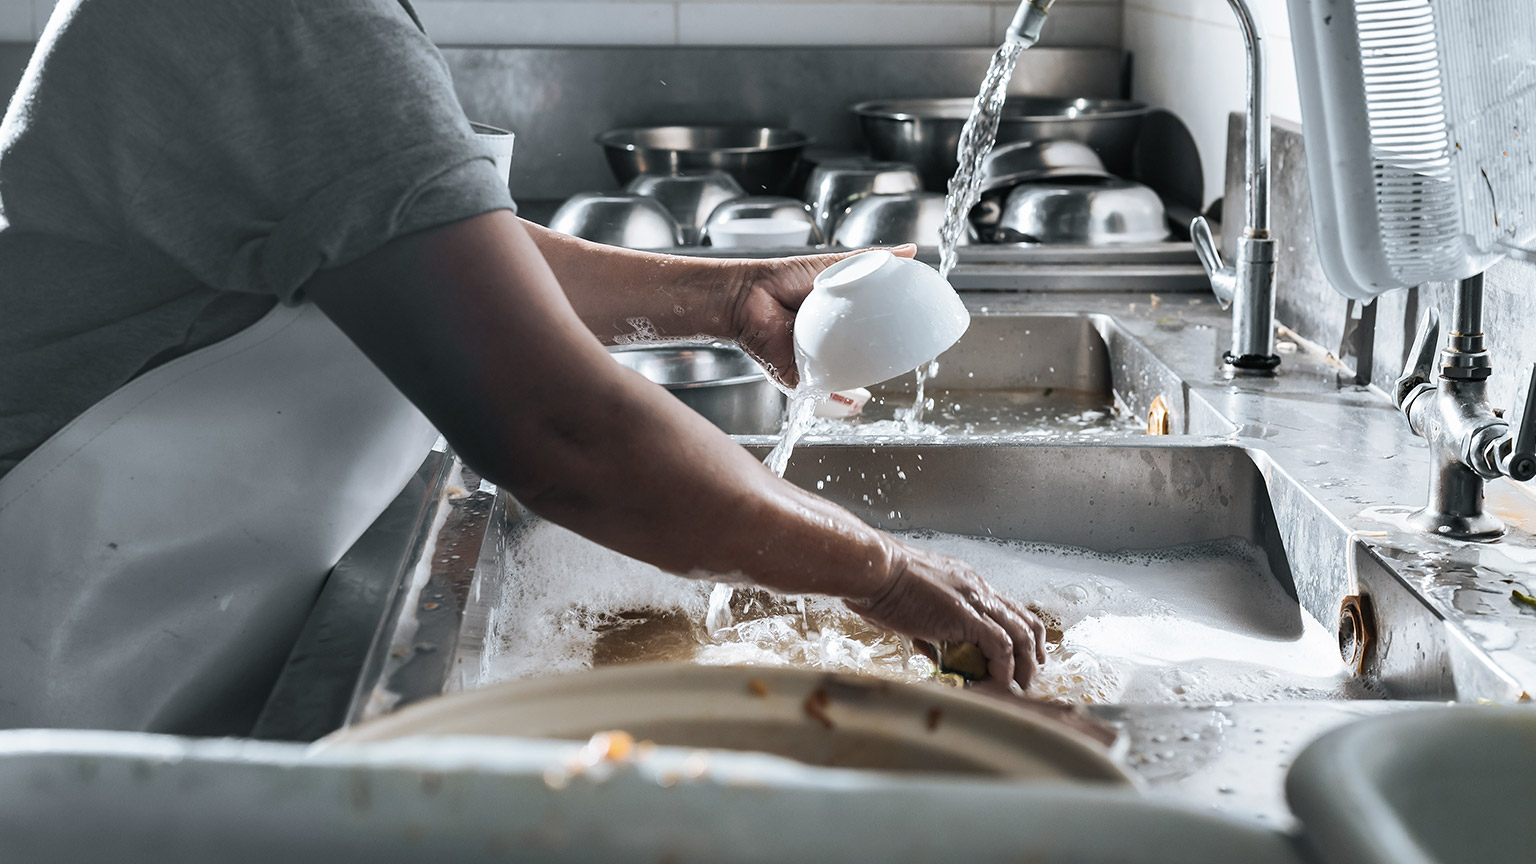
[(182, 26)]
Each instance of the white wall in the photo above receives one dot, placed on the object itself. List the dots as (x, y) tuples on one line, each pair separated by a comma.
[(1188, 57), (712, 22)]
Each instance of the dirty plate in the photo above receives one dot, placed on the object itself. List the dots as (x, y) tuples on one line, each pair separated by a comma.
[(810, 716)]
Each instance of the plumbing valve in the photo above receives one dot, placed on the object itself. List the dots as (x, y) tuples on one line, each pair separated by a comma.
[(1443, 393), (1223, 278), (1515, 453)]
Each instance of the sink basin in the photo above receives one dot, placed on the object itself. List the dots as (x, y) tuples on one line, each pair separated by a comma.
[(1217, 618), (1050, 376), (1424, 787)]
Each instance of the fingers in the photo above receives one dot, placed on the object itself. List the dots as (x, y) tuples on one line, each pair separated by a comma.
[(996, 643), (1021, 638), (1036, 626), (905, 250)]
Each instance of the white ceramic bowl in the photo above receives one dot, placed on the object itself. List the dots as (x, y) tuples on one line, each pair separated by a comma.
[(873, 316)]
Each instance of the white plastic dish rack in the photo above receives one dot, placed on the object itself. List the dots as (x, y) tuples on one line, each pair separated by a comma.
[(1420, 125)]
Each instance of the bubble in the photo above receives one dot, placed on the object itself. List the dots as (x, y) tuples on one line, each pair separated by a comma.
[(1191, 624)]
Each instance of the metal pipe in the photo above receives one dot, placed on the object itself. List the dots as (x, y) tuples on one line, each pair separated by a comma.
[(1469, 307), (1256, 121)]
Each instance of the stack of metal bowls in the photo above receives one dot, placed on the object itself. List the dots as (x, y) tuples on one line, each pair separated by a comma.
[(690, 197), (835, 184), (926, 132)]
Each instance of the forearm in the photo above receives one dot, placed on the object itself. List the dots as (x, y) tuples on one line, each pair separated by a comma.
[(469, 322), (620, 292), (644, 475)]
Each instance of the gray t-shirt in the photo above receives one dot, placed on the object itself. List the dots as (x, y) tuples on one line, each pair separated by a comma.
[(171, 169)]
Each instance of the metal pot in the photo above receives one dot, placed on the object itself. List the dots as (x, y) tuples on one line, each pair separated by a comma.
[(719, 381), (926, 132), (762, 159)]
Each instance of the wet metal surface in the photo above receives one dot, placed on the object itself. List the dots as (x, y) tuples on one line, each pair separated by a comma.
[(1318, 471)]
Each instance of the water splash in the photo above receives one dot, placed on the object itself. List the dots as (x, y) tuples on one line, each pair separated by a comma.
[(802, 410), (976, 140)]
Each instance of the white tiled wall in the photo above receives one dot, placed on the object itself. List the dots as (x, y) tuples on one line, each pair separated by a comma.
[(713, 22), (1188, 57)]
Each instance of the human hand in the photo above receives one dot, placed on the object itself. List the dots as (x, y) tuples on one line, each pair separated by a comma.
[(936, 599), (762, 318)]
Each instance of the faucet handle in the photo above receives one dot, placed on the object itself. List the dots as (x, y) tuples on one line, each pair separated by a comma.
[(1421, 361), (1223, 280), (1519, 463)]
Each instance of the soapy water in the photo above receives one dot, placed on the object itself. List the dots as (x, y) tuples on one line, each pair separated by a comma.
[(1191, 624), (1051, 413)]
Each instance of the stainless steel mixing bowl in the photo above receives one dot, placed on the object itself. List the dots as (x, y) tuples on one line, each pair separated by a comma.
[(690, 197), (618, 220), (1095, 212), (761, 209), (884, 220), (761, 159), (926, 132), (719, 381), (837, 183)]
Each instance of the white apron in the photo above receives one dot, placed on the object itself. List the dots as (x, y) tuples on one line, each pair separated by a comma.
[(159, 555)]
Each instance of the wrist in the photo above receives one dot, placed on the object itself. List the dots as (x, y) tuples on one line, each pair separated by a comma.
[(732, 289), (884, 572)]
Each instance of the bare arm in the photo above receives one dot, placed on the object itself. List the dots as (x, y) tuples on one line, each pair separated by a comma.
[(470, 323), (611, 288), (750, 301)]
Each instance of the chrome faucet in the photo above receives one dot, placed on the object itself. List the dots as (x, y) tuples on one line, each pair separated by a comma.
[(1469, 443), (1248, 287), (1027, 21)]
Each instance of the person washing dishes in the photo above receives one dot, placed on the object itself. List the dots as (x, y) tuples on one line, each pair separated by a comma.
[(252, 258)]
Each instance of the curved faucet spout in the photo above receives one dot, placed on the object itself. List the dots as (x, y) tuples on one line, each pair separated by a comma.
[(1248, 284)]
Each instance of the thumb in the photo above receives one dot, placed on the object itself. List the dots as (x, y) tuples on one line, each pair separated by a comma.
[(827, 259)]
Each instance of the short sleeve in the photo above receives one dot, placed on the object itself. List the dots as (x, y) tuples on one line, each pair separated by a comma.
[(305, 135)]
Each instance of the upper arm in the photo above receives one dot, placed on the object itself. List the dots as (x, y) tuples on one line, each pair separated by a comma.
[(470, 324), (292, 137)]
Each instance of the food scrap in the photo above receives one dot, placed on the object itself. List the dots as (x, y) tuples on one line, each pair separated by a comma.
[(815, 707), (1522, 598), (757, 688)]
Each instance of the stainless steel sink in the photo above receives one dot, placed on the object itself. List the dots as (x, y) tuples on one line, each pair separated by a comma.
[(1050, 375), (1108, 498)]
